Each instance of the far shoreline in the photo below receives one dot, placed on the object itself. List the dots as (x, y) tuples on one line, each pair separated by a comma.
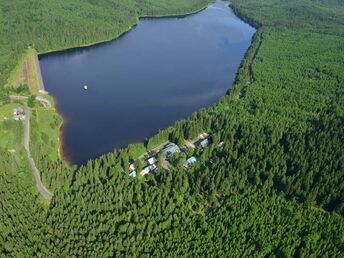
[(100, 42)]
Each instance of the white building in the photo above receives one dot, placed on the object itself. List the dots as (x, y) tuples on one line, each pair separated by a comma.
[(220, 144), (133, 174), (203, 136), (152, 167), (18, 114), (132, 167), (170, 149), (145, 171), (190, 162), (204, 142), (152, 161)]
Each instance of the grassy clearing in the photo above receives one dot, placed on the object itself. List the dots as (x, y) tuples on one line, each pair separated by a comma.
[(11, 137), (6, 110), (45, 126), (26, 72), (45, 123), (11, 132)]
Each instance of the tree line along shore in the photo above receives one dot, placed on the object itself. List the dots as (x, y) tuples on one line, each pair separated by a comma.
[(274, 188)]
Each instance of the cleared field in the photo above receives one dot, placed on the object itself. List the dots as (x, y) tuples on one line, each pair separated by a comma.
[(25, 72), (45, 124), (6, 110), (10, 131)]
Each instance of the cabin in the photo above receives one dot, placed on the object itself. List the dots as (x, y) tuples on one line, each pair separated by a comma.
[(203, 143), (204, 140), (132, 167), (204, 136), (145, 171), (190, 162), (170, 149), (152, 160), (153, 168), (18, 114), (220, 144), (133, 174)]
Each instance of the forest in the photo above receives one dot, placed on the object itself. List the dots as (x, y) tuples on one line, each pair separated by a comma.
[(274, 188)]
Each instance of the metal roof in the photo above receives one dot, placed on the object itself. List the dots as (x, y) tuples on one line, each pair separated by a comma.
[(171, 148)]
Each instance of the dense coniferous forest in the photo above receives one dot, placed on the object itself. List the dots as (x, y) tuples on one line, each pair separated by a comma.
[(54, 25), (269, 184)]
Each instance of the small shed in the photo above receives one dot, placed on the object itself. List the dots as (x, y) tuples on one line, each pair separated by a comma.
[(220, 144), (152, 160), (145, 171), (18, 111), (133, 174), (170, 149), (190, 162), (132, 167), (153, 168), (203, 143), (18, 114), (203, 135)]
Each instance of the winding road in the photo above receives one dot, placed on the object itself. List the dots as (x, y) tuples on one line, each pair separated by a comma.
[(44, 191), (46, 103)]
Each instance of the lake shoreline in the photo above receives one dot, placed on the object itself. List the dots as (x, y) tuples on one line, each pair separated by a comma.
[(244, 18), (61, 135), (60, 150), (100, 42)]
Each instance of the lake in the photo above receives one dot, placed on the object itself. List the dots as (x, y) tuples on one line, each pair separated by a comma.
[(161, 71)]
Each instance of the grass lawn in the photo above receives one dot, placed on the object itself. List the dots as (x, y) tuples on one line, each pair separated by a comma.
[(25, 72), (11, 132), (44, 133), (6, 110)]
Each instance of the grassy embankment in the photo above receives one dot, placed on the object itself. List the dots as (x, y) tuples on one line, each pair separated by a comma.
[(24, 80), (14, 166), (45, 122), (11, 131)]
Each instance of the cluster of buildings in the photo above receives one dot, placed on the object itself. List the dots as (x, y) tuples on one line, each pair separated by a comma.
[(172, 148), (18, 114), (168, 150), (150, 168)]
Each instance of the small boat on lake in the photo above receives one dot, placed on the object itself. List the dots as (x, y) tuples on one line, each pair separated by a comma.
[(85, 87)]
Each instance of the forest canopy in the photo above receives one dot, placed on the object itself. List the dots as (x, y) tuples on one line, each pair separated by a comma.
[(270, 182)]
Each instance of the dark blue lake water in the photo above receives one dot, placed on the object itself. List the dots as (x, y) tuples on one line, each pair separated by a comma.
[(161, 71)]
